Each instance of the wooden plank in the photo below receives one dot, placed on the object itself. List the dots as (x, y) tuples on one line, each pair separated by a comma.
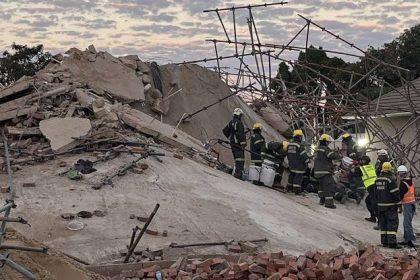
[(17, 113), (16, 88), (24, 131)]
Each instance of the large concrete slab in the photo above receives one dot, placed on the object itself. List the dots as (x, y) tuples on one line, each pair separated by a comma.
[(63, 132)]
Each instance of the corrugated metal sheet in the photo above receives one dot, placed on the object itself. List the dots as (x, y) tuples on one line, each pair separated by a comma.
[(397, 101)]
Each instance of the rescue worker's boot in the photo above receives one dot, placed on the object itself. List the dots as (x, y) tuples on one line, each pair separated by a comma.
[(321, 200), (297, 190), (343, 199), (384, 240), (358, 199), (329, 203), (371, 219)]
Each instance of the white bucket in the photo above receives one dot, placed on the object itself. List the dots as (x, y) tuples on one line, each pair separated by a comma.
[(254, 173), (267, 175), (346, 163)]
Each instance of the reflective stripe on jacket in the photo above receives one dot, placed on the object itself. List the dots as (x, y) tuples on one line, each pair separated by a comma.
[(410, 196), (369, 175), (387, 193)]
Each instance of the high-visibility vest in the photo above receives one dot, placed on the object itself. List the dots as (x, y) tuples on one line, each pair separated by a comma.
[(369, 175), (410, 196)]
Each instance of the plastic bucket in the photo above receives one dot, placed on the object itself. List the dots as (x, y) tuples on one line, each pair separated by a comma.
[(267, 175), (254, 173)]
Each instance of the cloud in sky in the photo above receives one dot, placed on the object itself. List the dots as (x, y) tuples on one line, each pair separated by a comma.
[(175, 30)]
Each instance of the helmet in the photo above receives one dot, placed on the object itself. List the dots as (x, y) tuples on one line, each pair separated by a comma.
[(257, 126), (325, 137), (382, 153), (298, 132), (346, 135), (285, 145), (238, 112), (387, 166), (365, 159), (402, 168)]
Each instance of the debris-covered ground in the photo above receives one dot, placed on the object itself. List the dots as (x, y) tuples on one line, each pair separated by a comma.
[(96, 142)]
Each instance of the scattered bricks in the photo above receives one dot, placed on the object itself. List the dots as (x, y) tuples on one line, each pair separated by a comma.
[(4, 189), (224, 272), (142, 219), (409, 275), (234, 248), (301, 262), (137, 170), (275, 276), (284, 271), (262, 259), (338, 264), (309, 273), (248, 246), (379, 277), (276, 256), (141, 274), (293, 267), (317, 257), (137, 150), (279, 264), (346, 262), (150, 269), (354, 267), (253, 276), (293, 276), (392, 271), (243, 266), (287, 278), (347, 274), (219, 267), (310, 255), (301, 276), (271, 267), (254, 268), (62, 164), (178, 156), (310, 264), (152, 232), (216, 261)]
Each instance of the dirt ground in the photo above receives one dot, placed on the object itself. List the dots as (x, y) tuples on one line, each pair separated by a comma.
[(198, 204), (50, 266)]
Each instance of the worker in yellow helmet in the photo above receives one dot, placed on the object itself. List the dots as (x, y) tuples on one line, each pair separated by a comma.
[(298, 162), (257, 144), (276, 152), (387, 194), (324, 170), (350, 146)]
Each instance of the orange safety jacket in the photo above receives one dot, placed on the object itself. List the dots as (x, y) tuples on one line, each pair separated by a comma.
[(410, 196)]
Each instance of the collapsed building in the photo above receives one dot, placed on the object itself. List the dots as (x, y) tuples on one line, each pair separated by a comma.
[(114, 163)]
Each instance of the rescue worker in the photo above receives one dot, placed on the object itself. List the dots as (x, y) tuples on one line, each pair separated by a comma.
[(387, 194), (235, 132), (408, 199), (257, 145), (351, 146), (276, 152), (324, 170), (298, 162), (364, 176), (382, 157), (368, 176)]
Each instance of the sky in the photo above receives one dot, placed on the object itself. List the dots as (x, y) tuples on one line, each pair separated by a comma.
[(176, 30)]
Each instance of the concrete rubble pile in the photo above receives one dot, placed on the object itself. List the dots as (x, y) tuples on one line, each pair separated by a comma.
[(82, 101), (366, 263)]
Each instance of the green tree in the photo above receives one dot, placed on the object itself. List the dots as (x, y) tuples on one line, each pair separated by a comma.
[(22, 61)]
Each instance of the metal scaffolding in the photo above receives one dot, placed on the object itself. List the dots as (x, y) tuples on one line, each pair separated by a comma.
[(315, 107)]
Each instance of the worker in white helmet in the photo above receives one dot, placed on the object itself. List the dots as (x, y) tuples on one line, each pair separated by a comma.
[(235, 132), (382, 157), (408, 199)]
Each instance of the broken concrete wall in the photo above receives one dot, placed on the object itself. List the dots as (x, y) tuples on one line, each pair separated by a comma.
[(201, 87)]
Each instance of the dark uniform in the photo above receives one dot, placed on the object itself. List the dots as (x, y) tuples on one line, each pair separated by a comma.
[(273, 151), (323, 171), (257, 146), (387, 195), (351, 148), (298, 163), (357, 188), (235, 132)]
